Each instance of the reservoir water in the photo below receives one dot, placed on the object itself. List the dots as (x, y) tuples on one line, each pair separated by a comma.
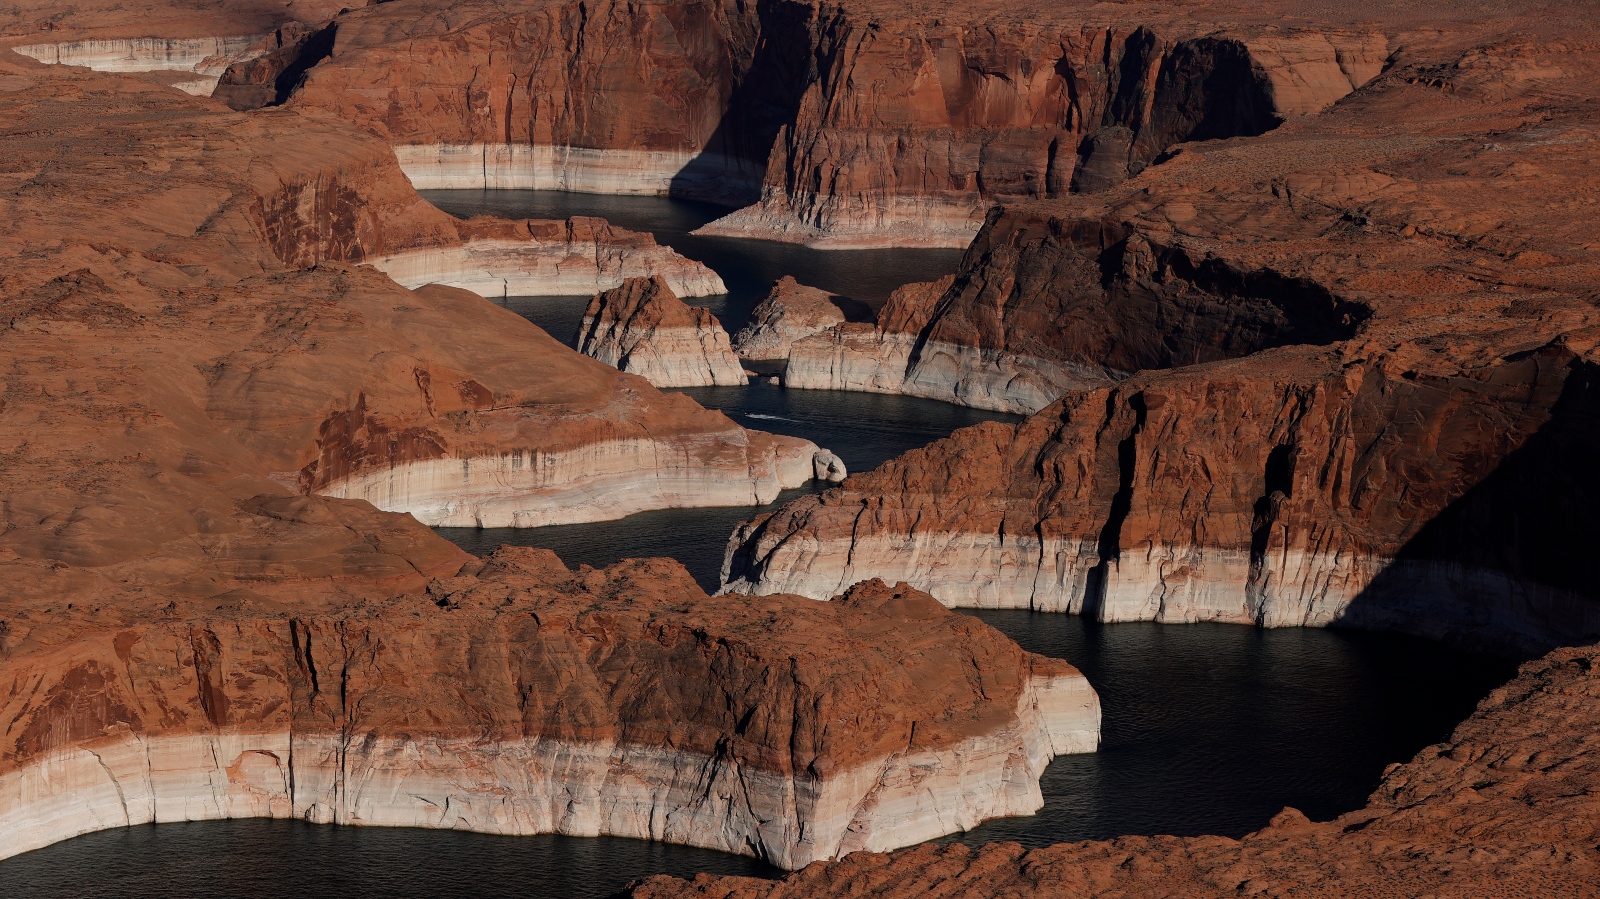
[(1208, 729)]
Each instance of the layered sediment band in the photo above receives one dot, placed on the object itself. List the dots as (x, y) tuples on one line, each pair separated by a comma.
[(597, 482), (206, 57), (712, 177), (1163, 583), (497, 268), (531, 786)]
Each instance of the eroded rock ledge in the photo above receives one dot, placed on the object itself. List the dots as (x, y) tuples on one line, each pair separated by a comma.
[(519, 698)]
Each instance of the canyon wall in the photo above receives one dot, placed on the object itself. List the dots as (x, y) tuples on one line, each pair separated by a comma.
[(847, 125)]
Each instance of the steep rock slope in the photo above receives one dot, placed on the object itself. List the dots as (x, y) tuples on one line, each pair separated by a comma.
[(1400, 444), (644, 329)]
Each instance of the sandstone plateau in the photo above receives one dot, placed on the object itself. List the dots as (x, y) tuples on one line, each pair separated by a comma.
[(644, 329)]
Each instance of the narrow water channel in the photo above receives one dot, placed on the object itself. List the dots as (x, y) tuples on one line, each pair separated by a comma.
[(1209, 729)]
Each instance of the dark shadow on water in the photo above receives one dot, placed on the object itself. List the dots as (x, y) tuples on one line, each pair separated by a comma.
[(1214, 728)]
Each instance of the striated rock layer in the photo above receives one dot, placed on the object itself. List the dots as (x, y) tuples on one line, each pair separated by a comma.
[(644, 329), (1504, 808), (519, 698), (1365, 382)]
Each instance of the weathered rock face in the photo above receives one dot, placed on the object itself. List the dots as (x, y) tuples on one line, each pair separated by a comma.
[(644, 329), (1505, 807), (1398, 445), (517, 697), (790, 312), (852, 124)]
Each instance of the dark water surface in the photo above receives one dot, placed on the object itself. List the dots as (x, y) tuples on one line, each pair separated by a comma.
[(1208, 728)]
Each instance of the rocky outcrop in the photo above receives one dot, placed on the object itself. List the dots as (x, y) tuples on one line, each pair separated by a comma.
[(904, 354), (1390, 445), (518, 698), (792, 311), (547, 258), (1045, 304), (1505, 806), (644, 329)]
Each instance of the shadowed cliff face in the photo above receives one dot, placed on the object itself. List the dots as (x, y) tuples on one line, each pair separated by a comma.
[(1080, 294)]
